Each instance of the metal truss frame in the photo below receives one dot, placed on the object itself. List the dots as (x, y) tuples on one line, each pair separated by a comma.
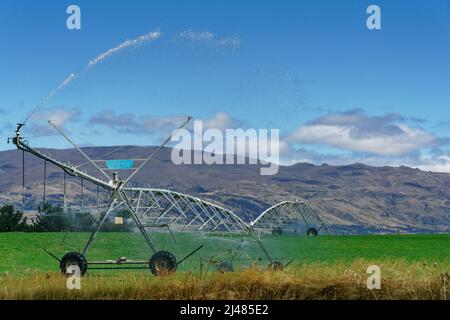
[(290, 216), (182, 212), (151, 207)]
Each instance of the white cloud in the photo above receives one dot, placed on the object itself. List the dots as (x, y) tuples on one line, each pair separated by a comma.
[(376, 141), (110, 118), (353, 137), (61, 116), (221, 121), (162, 124), (134, 124), (58, 116), (439, 164), (131, 123), (341, 137), (356, 132)]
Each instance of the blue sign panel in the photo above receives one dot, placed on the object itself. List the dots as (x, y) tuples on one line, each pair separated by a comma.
[(119, 164)]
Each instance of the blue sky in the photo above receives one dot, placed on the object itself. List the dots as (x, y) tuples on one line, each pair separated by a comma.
[(338, 92)]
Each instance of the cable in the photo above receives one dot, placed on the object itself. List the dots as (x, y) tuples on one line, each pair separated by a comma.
[(32, 112)]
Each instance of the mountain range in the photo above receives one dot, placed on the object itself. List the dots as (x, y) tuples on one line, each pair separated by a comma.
[(354, 198)]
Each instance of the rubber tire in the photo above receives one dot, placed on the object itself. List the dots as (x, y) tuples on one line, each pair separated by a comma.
[(162, 263), (73, 258), (225, 266), (276, 266), (277, 232), (312, 232)]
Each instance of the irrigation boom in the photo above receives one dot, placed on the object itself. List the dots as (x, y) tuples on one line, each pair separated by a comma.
[(150, 207), (68, 168)]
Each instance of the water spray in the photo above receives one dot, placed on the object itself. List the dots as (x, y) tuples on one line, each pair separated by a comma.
[(151, 36)]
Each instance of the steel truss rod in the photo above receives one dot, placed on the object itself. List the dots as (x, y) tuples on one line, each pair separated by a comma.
[(44, 197), (208, 209), (156, 151), (69, 169), (79, 149), (289, 214), (178, 210), (136, 219), (171, 196), (111, 206), (23, 180)]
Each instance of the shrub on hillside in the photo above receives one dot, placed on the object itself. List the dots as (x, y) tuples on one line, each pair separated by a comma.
[(51, 219), (11, 220)]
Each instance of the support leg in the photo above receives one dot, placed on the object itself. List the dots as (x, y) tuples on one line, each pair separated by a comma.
[(110, 207), (260, 244), (137, 221)]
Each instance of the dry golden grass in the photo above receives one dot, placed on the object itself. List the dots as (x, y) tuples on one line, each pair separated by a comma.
[(400, 280)]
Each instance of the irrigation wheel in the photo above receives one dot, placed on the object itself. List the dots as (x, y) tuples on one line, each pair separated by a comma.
[(73, 258), (225, 266), (276, 266), (277, 231), (162, 263), (312, 232)]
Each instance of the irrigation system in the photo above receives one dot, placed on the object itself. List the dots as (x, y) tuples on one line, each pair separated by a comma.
[(291, 217), (162, 208)]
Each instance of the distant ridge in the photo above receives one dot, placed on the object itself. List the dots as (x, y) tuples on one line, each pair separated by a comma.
[(354, 198)]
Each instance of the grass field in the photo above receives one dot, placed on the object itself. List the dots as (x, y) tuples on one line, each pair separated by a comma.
[(400, 280), (325, 267), (22, 252)]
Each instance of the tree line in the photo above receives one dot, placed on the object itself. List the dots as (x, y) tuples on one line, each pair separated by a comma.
[(53, 218)]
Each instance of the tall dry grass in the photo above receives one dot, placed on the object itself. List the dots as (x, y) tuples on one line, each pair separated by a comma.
[(400, 280)]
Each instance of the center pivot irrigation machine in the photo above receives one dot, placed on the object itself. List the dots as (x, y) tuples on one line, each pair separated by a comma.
[(161, 208)]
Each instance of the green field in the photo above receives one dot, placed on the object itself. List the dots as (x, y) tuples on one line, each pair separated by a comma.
[(22, 252)]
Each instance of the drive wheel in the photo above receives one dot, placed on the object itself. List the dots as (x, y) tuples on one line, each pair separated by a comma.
[(312, 232), (225, 266), (276, 266), (73, 258), (162, 263), (277, 231)]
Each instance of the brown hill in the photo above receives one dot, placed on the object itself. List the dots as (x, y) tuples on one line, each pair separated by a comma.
[(354, 198)]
